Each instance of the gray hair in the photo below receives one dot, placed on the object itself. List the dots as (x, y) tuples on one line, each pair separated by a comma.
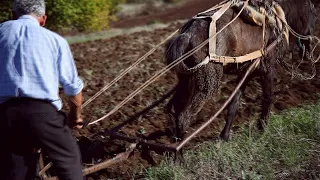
[(25, 7)]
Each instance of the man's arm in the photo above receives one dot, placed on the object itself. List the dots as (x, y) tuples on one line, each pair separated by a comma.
[(72, 85), (74, 116)]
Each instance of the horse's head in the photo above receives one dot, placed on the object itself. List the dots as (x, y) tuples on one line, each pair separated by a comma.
[(301, 16), (311, 17)]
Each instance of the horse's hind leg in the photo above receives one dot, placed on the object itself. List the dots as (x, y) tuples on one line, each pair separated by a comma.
[(233, 107), (232, 111), (267, 84)]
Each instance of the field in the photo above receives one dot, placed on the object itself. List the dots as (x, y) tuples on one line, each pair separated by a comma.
[(100, 61), (288, 149)]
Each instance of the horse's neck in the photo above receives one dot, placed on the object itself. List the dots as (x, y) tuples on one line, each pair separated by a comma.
[(297, 14)]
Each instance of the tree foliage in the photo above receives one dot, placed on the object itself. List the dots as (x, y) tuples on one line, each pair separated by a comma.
[(66, 15), (5, 10)]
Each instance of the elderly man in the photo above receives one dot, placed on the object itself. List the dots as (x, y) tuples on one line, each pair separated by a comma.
[(33, 62)]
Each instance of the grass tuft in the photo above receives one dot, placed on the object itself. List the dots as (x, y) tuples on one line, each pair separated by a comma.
[(288, 149)]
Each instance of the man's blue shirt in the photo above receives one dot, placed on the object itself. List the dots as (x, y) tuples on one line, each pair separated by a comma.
[(34, 61)]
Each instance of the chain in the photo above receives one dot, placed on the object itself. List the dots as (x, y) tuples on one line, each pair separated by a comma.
[(235, 2), (279, 47), (268, 7), (294, 71), (268, 11)]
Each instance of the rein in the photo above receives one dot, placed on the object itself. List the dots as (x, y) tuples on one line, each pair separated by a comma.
[(162, 71), (249, 70), (219, 59)]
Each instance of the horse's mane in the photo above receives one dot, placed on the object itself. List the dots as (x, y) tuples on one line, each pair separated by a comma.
[(292, 9), (186, 25)]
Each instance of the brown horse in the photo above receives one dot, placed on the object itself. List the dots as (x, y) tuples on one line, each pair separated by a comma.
[(239, 38)]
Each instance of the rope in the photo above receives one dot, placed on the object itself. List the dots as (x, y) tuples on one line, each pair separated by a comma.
[(166, 69), (214, 7), (303, 37), (310, 55), (314, 48), (250, 69), (137, 62), (126, 71)]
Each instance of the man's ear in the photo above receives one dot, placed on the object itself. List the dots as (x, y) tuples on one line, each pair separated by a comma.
[(42, 20)]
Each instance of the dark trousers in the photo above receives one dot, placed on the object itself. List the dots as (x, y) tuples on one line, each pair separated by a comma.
[(29, 123)]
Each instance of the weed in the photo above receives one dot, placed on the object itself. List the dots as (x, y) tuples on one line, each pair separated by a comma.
[(286, 150)]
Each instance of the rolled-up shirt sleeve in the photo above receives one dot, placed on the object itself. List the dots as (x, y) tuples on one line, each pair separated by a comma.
[(68, 76)]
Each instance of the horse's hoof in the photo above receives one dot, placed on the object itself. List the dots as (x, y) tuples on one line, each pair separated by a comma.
[(261, 125), (223, 137), (217, 139), (179, 159)]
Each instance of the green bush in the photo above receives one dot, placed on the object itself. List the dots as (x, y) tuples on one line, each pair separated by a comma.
[(146, 1), (80, 15), (5, 10)]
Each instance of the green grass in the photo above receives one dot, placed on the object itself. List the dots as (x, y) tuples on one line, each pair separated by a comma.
[(287, 150)]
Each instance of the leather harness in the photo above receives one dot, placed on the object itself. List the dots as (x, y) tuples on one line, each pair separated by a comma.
[(259, 17)]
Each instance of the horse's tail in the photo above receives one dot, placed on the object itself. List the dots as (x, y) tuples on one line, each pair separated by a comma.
[(175, 48)]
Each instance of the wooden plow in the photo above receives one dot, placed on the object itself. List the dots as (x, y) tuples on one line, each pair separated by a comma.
[(136, 142)]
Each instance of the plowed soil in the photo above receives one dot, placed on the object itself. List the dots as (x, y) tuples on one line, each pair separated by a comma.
[(101, 61)]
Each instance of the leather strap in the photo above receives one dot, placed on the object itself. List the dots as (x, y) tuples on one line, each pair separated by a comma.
[(211, 9), (212, 41), (259, 18), (213, 28), (281, 19), (240, 59)]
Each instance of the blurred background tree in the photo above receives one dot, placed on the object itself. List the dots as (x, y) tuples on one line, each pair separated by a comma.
[(73, 15), (5, 10)]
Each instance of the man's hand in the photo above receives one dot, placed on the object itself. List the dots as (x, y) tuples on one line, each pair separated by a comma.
[(74, 117), (76, 123)]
